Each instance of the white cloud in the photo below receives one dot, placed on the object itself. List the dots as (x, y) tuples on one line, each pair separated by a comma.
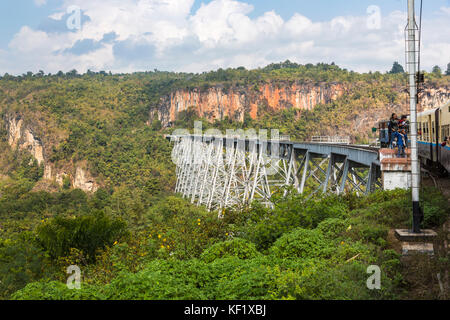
[(221, 22), (165, 34), (300, 25)]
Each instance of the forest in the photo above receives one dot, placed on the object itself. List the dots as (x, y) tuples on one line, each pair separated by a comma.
[(134, 239)]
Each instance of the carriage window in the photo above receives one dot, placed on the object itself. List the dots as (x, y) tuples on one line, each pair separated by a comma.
[(424, 132), (445, 132), (432, 132)]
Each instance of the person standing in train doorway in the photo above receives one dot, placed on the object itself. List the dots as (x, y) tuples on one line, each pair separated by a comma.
[(392, 129)]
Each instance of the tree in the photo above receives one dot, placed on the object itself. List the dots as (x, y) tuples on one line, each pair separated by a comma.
[(437, 70), (396, 68), (72, 74), (448, 70)]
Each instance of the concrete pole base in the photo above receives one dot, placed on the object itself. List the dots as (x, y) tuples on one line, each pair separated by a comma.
[(409, 248), (414, 243)]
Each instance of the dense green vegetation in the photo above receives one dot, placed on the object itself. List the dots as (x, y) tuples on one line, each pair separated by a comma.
[(134, 239), (316, 249)]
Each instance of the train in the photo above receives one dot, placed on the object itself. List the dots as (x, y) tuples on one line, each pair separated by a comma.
[(433, 127)]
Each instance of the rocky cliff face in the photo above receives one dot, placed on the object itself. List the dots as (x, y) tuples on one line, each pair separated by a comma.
[(23, 137), (432, 97), (217, 102), (83, 180)]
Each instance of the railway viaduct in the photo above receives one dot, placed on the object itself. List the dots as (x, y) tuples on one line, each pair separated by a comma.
[(222, 171)]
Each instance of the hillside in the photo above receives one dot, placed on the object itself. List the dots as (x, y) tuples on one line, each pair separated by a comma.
[(86, 178)]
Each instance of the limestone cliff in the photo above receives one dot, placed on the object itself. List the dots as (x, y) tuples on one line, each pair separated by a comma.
[(22, 136), (218, 102), (432, 97)]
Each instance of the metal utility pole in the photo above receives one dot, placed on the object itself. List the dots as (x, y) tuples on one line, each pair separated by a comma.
[(412, 51)]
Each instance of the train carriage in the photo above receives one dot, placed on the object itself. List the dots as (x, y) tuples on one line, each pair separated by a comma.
[(433, 128)]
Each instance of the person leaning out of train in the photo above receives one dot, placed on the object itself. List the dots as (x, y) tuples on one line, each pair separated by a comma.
[(401, 142), (445, 143), (392, 129)]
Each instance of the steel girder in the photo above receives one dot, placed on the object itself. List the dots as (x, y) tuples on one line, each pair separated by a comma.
[(218, 173)]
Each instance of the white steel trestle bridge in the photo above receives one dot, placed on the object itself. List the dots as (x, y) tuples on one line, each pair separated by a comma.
[(223, 171)]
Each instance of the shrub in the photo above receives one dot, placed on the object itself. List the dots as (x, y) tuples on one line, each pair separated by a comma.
[(347, 251), (363, 229), (252, 280), (302, 243), (169, 279), (66, 183), (239, 248), (436, 208), (333, 228), (182, 228), (342, 282), (152, 285), (87, 233), (294, 212), (21, 262), (54, 290)]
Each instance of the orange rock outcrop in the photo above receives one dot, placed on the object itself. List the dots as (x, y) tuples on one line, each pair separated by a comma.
[(217, 102)]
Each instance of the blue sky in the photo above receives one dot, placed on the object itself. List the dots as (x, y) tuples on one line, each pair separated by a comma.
[(195, 35), (318, 10), (17, 13)]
